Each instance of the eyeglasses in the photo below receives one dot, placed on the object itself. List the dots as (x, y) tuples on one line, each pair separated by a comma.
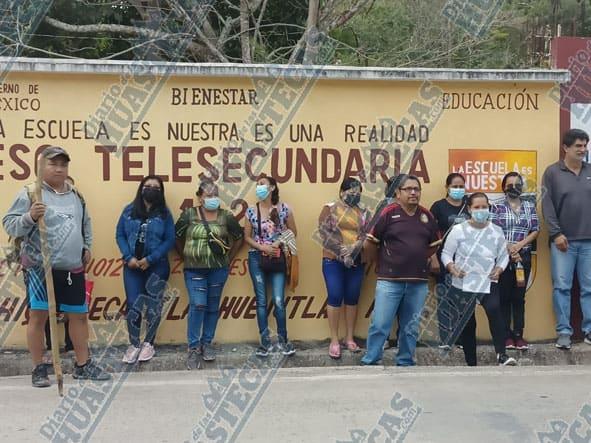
[(411, 190)]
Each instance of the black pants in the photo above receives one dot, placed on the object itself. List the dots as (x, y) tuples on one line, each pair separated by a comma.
[(69, 345), (513, 299), (445, 308), (464, 320)]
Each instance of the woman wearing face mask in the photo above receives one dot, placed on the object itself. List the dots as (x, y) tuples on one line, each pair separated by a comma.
[(475, 254), (342, 226), (267, 220), (518, 219), (145, 235), (207, 239), (448, 211)]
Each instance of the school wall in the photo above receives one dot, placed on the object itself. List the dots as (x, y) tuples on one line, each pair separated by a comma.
[(139, 121)]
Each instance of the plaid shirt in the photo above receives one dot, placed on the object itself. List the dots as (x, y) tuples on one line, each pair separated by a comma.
[(515, 226)]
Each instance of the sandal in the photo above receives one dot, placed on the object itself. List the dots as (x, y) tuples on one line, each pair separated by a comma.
[(352, 347), (334, 351)]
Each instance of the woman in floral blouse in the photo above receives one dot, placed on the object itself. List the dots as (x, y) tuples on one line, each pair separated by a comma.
[(267, 220)]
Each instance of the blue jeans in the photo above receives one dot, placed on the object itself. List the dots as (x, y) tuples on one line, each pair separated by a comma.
[(408, 300), (259, 283), (144, 289), (563, 267), (204, 287)]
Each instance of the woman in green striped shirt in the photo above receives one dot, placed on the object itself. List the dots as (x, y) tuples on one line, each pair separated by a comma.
[(208, 238)]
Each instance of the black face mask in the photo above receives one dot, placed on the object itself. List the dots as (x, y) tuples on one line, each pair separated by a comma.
[(514, 191), (152, 196), (352, 199)]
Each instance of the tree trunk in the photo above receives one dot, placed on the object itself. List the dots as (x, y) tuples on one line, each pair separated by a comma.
[(244, 33), (312, 32)]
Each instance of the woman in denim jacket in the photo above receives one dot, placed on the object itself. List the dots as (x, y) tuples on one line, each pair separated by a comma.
[(145, 235)]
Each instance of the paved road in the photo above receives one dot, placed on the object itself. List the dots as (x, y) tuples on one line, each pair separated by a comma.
[(351, 404)]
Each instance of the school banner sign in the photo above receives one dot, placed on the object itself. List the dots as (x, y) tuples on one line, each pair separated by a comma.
[(484, 171)]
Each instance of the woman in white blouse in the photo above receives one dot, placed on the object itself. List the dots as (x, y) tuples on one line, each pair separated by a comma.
[(475, 254)]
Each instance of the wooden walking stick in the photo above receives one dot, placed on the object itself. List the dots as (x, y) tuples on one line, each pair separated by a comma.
[(46, 254)]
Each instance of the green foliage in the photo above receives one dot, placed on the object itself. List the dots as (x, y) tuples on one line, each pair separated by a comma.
[(404, 33), (84, 12), (399, 33)]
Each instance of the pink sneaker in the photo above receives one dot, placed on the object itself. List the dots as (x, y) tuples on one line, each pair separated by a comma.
[(131, 355), (521, 344), (147, 352)]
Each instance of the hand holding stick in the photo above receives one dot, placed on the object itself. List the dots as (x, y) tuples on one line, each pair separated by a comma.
[(55, 349)]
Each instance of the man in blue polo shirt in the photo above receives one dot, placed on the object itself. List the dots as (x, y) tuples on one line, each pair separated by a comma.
[(403, 234), (567, 211)]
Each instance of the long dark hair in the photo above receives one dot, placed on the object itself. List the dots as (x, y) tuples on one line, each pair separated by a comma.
[(273, 215), (139, 210)]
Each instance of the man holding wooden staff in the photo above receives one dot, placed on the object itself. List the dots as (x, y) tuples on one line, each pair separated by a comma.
[(69, 239)]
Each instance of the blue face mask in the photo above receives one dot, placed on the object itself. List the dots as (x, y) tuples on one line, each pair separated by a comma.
[(211, 203), (262, 191), (480, 215), (456, 193)]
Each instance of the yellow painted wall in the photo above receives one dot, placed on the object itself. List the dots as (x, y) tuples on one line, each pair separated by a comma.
[(330, 104)]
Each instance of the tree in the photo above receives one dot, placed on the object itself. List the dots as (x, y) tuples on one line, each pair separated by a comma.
[(401, 33), (269, 31), (408, 33)]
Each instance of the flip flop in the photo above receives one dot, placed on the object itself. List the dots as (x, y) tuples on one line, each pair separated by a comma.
[(334, 351), (352, 347)]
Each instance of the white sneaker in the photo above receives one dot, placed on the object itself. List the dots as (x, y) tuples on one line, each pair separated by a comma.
[(147, 352), (505, 360), (131, 355)]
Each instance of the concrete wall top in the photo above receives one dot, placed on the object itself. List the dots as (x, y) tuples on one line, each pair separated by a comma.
[(83, 66)]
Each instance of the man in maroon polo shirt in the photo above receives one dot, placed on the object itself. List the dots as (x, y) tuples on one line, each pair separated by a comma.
[(403, 234)]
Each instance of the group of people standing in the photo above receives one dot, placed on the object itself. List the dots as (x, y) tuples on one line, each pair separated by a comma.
[(473, 248), (479, 252), (207, 237)]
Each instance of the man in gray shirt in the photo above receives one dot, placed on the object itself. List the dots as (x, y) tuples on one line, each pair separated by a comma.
[(566, 206), (69, 238)]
